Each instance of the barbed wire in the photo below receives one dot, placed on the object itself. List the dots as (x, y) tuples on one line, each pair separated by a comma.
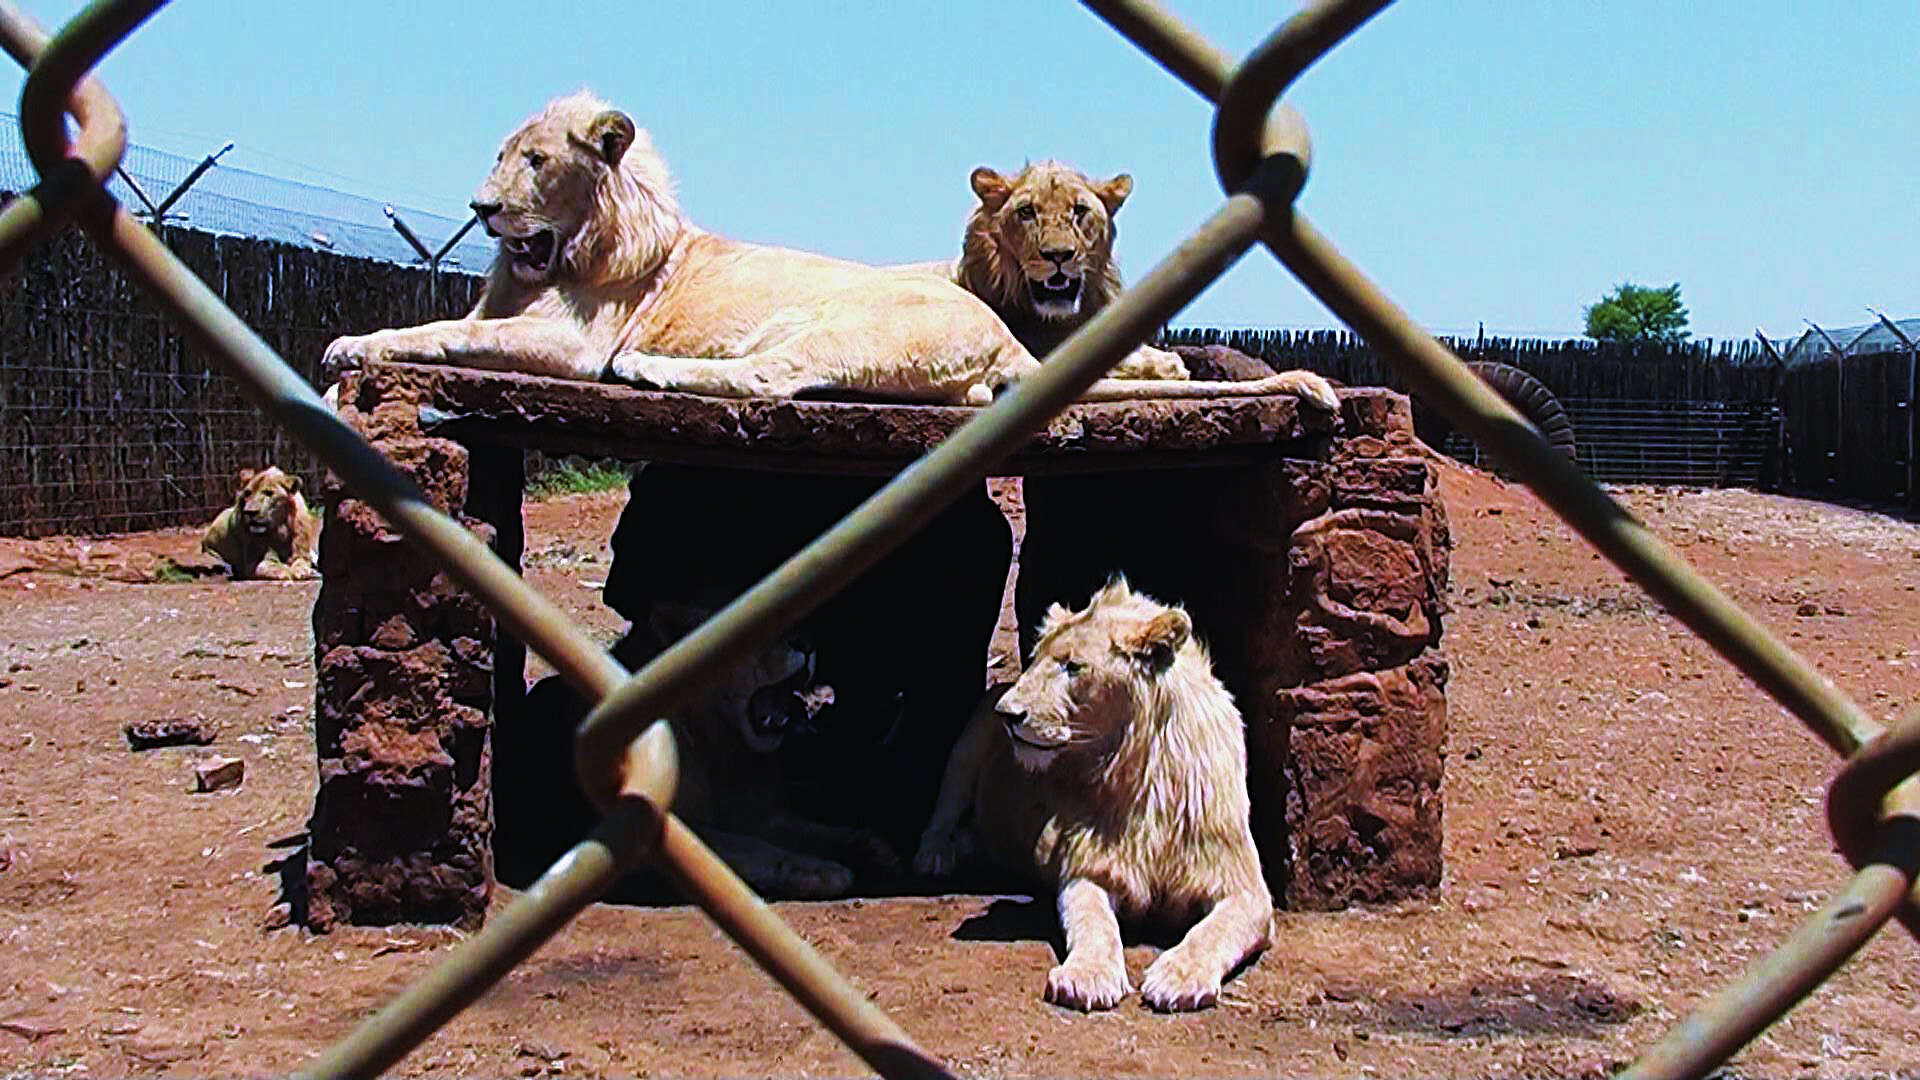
[(239, 202)]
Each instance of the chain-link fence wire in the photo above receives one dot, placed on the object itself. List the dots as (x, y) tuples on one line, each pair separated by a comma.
[(626, 759)]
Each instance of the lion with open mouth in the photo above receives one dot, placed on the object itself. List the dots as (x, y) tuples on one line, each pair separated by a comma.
[(601, 276)]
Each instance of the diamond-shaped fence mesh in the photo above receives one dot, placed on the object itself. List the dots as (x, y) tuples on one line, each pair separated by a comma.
[(626, 759)]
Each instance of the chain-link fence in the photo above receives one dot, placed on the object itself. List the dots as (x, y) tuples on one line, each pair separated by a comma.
[(626, 759)]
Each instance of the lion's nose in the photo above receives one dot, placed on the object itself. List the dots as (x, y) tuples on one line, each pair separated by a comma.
[(484, 210), (1058, 256), (1011, 715)]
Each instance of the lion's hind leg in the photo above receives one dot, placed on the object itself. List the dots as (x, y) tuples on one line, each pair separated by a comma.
[(1305, 385), (1188, 976)]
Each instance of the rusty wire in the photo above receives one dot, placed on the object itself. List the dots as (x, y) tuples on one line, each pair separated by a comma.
[(626, 759)]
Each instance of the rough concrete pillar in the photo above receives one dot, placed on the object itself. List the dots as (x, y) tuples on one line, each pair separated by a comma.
[(1353, 712), (402, 821)]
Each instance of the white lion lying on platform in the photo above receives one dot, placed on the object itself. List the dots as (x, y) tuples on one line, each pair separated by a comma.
[(599, 275), (1115, 771)]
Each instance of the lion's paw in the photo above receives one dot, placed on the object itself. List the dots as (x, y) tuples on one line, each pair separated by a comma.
[(641, 369), (939, 853), (352, 353), (802, 878), (1311, 387), (1087, 986), (1177, 983), (871, 850)]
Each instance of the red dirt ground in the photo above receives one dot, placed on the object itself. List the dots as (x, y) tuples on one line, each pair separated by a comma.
[(1629, 824)]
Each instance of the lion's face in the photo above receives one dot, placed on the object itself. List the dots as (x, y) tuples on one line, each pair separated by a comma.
[(764, 697), (548, 182), (1051, 233), (267, 501), (1089, 674)]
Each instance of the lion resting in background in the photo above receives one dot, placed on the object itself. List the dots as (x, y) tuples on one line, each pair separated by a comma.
[(1115, 770), (599, 275), (1039, 251), (268, 532), (730, 791)]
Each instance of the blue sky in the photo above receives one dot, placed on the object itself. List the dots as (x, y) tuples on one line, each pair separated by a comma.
[(1503, 162)]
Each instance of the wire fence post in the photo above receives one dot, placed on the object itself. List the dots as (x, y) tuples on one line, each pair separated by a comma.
[(431, 258), (1913, 361), (1782, 459), (1836, 456), (156, 214)]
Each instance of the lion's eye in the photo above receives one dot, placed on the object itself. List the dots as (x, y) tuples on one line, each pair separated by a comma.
[(1072, 667), (1081, 210), (1025, 212), (535, 160)]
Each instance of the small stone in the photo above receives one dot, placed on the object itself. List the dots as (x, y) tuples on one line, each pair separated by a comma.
[(217, 774), (278, 916), (31, 1028), (192, 730), (543, 1051)]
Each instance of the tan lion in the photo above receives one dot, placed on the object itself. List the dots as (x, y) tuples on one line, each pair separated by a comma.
[(1114, 771), (1039, 250), (600, 275), (268, 532)]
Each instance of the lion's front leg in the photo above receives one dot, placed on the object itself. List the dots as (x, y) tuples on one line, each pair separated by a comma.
[(944, 843), (772, 870), (295, 569), (863, 847), (1094, 974), (1188, 976), (744, 377), (523, 343)]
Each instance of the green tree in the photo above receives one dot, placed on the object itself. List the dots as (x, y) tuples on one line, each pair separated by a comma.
[(1637, 313)]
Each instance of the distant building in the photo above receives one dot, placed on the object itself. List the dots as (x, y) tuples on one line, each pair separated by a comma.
[(1859, 340)]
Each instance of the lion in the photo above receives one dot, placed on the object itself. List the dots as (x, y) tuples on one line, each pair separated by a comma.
[(730, 790), (1114, 771), (1039, 250), (268, 532), (600, 275)]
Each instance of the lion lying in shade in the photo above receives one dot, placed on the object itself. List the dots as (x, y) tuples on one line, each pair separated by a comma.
[(268, 532), (1114, 771), (600, 275)]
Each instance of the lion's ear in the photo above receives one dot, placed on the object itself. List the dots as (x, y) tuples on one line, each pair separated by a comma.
[(246, 477), (1115, 591), (1056, 617), (293, 484), (611, 133), (1114, 192), (992, 188), (1156, 643)]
